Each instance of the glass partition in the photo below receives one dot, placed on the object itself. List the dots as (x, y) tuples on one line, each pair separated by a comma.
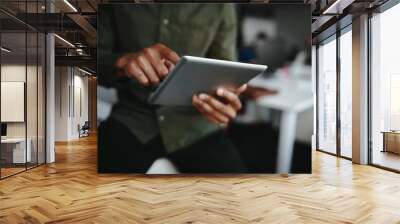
[(23, 87), (346, 93), (327, 95), (41, 108), (385, 89), (14, 153), (32, 97)]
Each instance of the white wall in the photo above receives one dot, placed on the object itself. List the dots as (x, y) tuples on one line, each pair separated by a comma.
[(33, 126), (80, 103), (71, 102), (12, 73), (62, 81)]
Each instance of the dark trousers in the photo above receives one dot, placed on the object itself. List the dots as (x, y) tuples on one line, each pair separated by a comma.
[(119, 151)]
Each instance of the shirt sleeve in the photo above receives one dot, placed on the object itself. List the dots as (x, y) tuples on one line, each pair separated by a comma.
[(223, 45), (107, 54)]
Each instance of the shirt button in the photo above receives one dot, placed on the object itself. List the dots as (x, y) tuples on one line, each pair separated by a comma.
[(166, 21), (161, 117)]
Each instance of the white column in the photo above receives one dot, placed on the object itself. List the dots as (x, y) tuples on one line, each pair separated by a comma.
[(360, 90), (50, 93)]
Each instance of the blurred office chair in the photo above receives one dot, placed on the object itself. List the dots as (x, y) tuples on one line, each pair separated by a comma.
[(84, 129)]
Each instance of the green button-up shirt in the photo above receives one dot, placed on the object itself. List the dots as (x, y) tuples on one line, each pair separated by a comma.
[(204, 30)]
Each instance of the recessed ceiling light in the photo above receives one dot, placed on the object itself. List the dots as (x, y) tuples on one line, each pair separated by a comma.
[(337, 7), (84, 71), (64, 40), (70, 5)]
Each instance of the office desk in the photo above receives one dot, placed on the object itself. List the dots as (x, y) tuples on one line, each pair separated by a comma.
[(293, 97), (391, 141), (16, 146)]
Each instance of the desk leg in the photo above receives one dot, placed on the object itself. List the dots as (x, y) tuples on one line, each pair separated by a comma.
[(287, 133)]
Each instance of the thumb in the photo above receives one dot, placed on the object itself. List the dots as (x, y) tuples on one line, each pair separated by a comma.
[(241, 89)]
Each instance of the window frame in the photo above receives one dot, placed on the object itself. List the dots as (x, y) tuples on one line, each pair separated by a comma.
[(336, 30)]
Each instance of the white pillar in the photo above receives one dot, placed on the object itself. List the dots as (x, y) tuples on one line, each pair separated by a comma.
[(360, 90), (50, 93)]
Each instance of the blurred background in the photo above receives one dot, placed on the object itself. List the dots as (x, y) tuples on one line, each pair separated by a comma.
[(278, 116)]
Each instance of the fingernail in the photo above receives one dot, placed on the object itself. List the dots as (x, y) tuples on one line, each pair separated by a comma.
[(203, 96), (220, 92)]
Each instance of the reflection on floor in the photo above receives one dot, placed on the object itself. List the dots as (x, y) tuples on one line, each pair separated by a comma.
[(346, 152), (10, 169), (71, 191), (387, 159)]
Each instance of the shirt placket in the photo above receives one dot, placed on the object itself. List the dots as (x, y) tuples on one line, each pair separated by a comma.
[(164, 22)]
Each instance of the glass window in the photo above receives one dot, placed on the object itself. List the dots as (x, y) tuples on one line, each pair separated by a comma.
[(41, 79), (327, 96), (15, 150), (32, 96), (22, 92), (346, 93), (385, 89)]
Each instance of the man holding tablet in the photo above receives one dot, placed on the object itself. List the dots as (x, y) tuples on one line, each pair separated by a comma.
[(138, 46)]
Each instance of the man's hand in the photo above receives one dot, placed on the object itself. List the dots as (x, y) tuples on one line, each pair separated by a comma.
[(221, 109), (150, 65)]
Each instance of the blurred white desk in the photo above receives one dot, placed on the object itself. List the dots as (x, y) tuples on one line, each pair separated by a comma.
[(17, 147), (293, 97)]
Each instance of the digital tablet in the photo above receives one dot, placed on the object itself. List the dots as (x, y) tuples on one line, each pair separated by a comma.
[(194, 75)]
